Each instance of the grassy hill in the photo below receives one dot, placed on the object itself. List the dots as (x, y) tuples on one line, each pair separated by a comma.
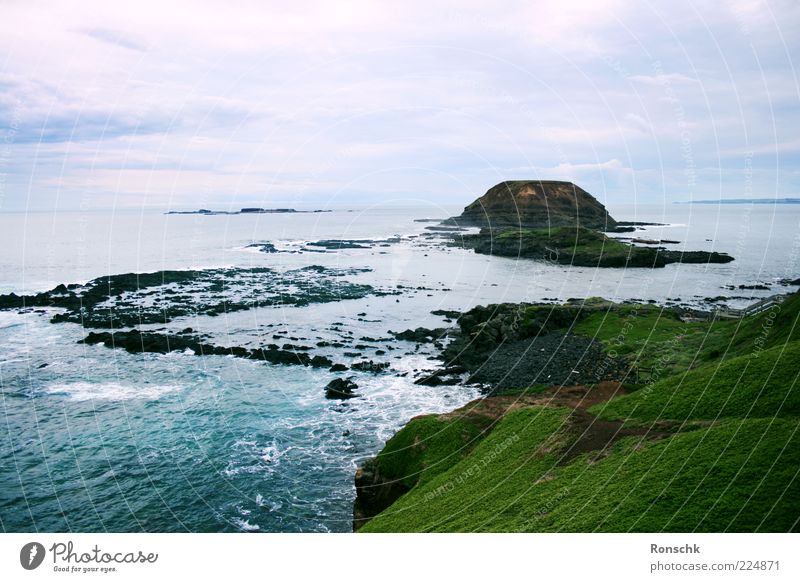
[(708, 443), (655, 338), (735, 476), (764, 384)]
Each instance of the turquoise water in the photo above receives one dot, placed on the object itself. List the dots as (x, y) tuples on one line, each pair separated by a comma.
[(94, 439)]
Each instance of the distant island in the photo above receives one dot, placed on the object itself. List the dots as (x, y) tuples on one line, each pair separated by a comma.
[(247, 211), (744, 201), (559, 222)]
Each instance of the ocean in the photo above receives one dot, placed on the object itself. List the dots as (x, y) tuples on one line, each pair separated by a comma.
[(99, 439)]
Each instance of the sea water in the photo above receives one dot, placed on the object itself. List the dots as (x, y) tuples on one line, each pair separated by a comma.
[(96, 439)]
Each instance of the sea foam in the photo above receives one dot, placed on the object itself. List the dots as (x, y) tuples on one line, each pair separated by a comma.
[(83, 391)]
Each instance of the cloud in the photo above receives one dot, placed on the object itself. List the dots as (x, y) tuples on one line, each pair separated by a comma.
[(663, 79), (114, 37), (313, 98)]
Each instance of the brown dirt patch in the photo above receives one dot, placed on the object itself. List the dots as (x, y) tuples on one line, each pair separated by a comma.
[(592, 433)]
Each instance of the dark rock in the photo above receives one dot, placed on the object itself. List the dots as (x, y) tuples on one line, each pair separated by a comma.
[(137, 342), (648, 241), (420, 335), (340, 389), (296, 348), (319, 362), (374, 493), (448, 313), (133, 299), (556, 359), (263, 247), (335, 245), (578, 247), (370, 366)]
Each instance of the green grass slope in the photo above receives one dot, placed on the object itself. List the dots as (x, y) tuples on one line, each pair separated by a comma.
[(427, 446), (654, 338), (763, 384), (736, 476)]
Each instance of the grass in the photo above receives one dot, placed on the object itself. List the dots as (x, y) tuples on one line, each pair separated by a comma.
[(646, 335), (426, 446), (464, 492), (764, 384), (651, 337), (736, 476)]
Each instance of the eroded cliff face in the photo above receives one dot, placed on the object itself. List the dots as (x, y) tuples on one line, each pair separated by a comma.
[(536, 204)]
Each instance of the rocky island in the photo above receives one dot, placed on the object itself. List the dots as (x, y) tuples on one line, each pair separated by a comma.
[(561, 223), (535, 204)]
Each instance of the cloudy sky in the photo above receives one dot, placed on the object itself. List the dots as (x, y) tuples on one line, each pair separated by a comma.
[(218, 104)]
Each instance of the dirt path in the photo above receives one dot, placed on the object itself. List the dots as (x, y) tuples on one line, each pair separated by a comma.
[(593, 434)]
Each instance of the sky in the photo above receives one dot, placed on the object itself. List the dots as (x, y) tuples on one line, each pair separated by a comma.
[(178, 104)]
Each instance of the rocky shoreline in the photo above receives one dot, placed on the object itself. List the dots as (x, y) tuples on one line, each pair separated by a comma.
[(133, 299), (580, 247)]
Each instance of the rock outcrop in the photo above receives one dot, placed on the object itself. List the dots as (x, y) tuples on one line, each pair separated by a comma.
[(536, 204), (341, 389), (578, 247)]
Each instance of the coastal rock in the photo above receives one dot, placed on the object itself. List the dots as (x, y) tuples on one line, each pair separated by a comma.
[(137, 342), (264, 247), (449, 376), (341, 389), (578, 247), (132, 299), (374, 492), (535, 204), (516, 345), (420, 335), (446, 313), (558, 359), (370, 366)]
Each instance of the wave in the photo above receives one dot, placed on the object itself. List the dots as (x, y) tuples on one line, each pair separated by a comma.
[(11, 319), (250, 458), (244, 525), (83, 391)]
